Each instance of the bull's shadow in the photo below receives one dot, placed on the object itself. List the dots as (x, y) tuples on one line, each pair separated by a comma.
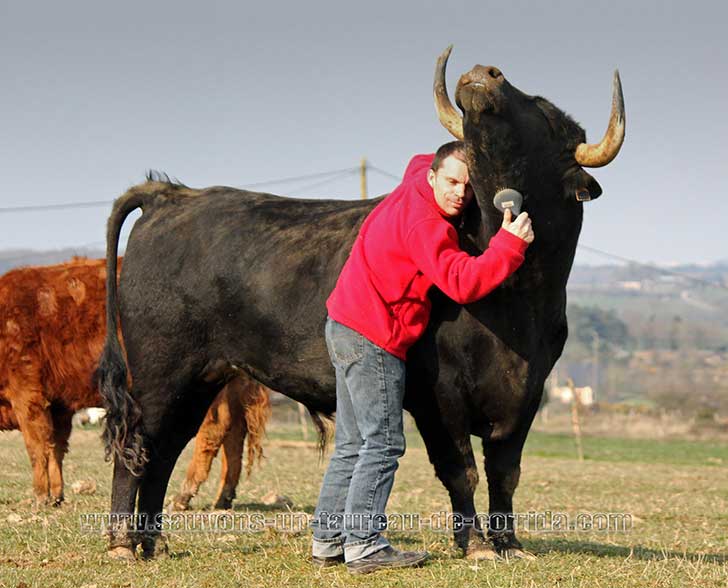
[(260, 507), (238, 550), (539, 546)]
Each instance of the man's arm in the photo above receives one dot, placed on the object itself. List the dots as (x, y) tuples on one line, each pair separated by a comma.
[(434, 248)]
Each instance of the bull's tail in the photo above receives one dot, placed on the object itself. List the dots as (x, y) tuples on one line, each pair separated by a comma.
[(324, 424), (123, 434)]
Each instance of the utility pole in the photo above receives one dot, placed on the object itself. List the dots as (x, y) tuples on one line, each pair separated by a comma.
[(595, 362), (575, 425), (363, 175)]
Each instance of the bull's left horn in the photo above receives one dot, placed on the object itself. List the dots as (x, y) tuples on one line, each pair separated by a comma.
[(597, 155), (446, 112)]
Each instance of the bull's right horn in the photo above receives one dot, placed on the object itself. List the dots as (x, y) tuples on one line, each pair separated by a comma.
[(446, 112), (602, 153)]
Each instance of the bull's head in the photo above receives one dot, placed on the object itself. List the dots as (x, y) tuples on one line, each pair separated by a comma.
[(524, 142)]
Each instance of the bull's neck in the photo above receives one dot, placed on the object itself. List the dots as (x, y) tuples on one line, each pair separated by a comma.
[(548, 259)]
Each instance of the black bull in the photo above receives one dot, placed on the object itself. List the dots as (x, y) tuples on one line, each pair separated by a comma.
[(220, 280)]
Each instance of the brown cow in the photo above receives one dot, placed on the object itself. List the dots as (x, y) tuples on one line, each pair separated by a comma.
[(242, 407), (52, 327)]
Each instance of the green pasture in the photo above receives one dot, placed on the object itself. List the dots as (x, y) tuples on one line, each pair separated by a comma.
[(675, 493)]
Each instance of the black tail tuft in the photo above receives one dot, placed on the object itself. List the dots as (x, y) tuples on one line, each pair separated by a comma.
[(324, 426), (123, 434)]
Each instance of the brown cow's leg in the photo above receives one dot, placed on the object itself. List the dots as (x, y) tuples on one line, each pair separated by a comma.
[(249, 412), (256, 412), (36, 425), (34, 420), (32, 412), (232, 463), (62, 431), (207, 443)]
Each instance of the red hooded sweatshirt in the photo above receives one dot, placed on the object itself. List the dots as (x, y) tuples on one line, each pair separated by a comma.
[(406, 245)]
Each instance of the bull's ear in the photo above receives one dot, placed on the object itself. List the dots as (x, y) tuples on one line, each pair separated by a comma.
[(581, 187)]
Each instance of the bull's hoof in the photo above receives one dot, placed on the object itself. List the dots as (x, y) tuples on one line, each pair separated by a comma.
[(121, 553), (223, 503), (56, 501), (155, 547), (516, 553), (481, 552)]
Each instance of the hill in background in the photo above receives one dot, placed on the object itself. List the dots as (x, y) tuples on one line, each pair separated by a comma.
[(654, 336), (11, 258)]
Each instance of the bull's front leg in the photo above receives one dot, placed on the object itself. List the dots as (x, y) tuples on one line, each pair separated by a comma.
[(452, 457), (503, 470)]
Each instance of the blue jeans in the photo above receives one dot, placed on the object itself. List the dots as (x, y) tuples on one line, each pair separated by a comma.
[(369, 440)]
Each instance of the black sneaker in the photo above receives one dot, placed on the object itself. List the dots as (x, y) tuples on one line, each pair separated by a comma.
[(387, 558), (326, 562)]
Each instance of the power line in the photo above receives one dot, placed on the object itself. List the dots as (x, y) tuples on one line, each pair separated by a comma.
[(326, 181), (62, 206), (298, 178), (91, 204), (384, 173)]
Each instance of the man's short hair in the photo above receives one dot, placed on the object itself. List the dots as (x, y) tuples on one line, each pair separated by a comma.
[(456, 148)]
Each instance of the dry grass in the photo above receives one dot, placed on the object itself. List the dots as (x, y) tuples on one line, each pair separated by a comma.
[(679, 537), (633, 425)]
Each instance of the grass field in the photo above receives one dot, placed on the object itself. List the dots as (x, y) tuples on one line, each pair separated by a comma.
[(676, 493)]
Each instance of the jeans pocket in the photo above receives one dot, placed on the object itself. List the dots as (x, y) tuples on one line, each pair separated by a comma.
[(345, 345)]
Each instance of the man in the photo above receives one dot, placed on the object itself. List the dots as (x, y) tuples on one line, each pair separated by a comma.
[(377, 310)]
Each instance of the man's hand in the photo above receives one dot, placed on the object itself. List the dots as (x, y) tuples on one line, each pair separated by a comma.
[(521, 227)]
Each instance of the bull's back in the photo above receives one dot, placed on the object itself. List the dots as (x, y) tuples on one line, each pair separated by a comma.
[(245, 275)]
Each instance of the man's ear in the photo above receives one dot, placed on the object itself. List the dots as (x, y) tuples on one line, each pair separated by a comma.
[(431, 178)]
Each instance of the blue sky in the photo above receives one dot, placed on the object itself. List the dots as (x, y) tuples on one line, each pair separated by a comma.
[(236, 93)]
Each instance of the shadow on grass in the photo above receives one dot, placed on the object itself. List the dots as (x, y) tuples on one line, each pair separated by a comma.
[(544, 546), (241, 550), (260, 507), (179, 554)]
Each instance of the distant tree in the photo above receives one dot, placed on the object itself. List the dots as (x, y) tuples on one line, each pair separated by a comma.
[(648, 337), (675, 333), (584, 321)]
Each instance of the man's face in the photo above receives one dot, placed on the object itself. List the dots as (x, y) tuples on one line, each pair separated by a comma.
[(450, 183)]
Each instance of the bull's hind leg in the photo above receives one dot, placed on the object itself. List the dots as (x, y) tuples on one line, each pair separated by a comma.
[(122, 527), (452, 456), (168, 434)]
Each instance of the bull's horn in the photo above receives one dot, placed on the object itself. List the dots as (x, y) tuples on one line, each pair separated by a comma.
[(601, 154), (446, 112)]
